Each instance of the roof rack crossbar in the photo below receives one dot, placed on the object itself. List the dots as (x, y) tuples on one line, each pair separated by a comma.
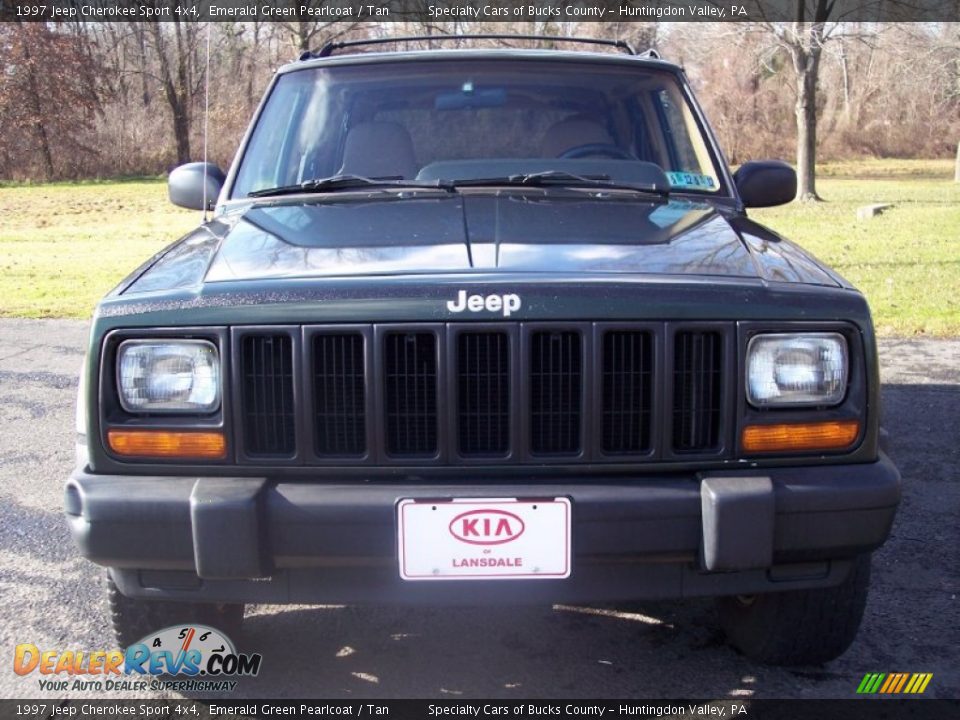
[(331, 47)]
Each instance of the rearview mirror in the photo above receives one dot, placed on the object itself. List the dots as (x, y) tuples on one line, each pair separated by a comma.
[(765, 183), (186, 185), (472, 100)]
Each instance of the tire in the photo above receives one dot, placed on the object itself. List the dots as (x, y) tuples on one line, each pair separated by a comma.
[(799, 627), (133, 618)]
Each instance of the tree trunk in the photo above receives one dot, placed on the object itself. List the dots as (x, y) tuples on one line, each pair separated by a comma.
[(177, 90), (37, 110), (181, 131), (143, 63), (303, 36), (846, 82), (45, 153), (805, 49), (806, 110), (253, 57)]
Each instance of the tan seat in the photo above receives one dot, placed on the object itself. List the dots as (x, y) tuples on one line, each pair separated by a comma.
[(379, 150), (573, 132)]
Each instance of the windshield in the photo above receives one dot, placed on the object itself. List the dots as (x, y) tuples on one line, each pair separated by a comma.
[(463, 120)]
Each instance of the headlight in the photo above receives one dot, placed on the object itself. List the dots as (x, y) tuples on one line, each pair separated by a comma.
[(801, 369), (168, 376)]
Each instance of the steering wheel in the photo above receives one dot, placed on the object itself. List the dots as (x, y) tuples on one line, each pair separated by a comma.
[(594, 149)]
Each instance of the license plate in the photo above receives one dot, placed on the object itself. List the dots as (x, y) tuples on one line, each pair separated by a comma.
[(495, 539)]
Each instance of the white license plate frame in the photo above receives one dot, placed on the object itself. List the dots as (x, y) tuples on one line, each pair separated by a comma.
[(467, 539)]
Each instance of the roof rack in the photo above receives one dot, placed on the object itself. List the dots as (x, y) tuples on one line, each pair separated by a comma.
[(331, 47)]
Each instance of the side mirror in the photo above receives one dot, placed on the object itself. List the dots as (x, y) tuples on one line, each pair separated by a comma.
[(765, 183), (186, 185)]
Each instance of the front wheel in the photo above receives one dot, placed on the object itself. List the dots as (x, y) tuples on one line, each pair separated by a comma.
[(134, 618), (799, 627)]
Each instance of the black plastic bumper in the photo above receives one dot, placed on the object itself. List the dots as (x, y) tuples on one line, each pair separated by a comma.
[(269, 540)]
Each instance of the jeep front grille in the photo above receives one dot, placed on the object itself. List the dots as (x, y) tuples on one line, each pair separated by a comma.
[(410, 393), (555, 378), (484, 393), (266, 395), (339, 395), (697, 383), (627, 391)]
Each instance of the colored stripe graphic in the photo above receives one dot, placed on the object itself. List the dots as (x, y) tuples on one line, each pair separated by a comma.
[(894, 683), (870, 683), (892, 679), (901, 683)]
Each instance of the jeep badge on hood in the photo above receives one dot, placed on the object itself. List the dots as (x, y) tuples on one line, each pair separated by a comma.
[(506, 304)]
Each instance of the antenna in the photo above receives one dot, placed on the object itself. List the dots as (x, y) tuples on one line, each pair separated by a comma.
[(206, 122)]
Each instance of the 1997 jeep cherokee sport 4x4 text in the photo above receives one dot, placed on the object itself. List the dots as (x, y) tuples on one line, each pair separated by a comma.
[(477, 326)]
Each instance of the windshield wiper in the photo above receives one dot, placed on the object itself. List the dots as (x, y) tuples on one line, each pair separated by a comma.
[(559, 178), (548, 178), (349, 182)]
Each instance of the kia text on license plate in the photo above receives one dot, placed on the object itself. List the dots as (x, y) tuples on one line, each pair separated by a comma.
[(472, 539)]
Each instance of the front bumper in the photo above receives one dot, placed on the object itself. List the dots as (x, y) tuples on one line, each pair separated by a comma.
[(275, 540)]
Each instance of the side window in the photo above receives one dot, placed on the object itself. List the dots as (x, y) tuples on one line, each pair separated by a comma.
[(295, 138)]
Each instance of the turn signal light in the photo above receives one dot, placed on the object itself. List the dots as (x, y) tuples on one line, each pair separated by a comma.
[(831, 435), (166, 444)]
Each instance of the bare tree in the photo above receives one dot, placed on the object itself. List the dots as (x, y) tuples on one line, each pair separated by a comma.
[(177, 60), (814, 23), (306, 35), (883, 89), (641, 35), (803, 39), (43, 73)]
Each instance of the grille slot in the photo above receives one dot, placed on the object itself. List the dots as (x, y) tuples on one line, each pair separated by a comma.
[(339, 395), (267, 395), (627, 392), (697, 382), (483, 393), (410, 393), (556, 380)]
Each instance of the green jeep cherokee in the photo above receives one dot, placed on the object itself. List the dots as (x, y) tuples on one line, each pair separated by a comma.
[(484, 326)]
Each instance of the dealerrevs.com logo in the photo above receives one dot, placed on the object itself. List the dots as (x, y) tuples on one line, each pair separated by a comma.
[(180, 657)]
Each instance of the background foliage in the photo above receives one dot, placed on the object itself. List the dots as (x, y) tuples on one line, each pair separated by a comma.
[(83, 100)]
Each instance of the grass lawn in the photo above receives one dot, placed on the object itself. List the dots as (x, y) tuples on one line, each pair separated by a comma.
[(62, 246), (907, 260)]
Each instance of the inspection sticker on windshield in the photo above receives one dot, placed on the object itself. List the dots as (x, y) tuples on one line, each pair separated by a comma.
[(474, 539), (690, 180)]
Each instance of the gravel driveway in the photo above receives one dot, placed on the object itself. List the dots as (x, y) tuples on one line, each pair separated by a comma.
[(53, 599)]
